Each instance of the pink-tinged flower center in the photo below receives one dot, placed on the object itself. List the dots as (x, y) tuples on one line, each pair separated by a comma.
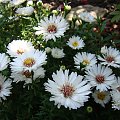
[(52, 29), (100, 79), (110, 59), (29, 62), (67, 90), (27, 74)]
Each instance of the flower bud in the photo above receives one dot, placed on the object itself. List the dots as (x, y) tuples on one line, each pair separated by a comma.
[(67, 7)]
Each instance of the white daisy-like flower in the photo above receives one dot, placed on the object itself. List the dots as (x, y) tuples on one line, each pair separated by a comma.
[(16, 2), (115, 99), (101, 97), (57, 53), (52, 27), (5, 86), (116, 84), (29, 61), (100, 77), (68, 90), (110, 57), (75, 42), (25, 11), (86, 59), (27, 75), (4, 61), (87, 17), (18, 47), (4, 1)]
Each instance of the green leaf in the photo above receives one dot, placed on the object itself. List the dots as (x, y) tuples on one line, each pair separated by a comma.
[(103, 26), (115, 18), (115, 13), (118, 6)]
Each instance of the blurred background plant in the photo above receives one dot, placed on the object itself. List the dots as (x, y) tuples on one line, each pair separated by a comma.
[(116, 14)]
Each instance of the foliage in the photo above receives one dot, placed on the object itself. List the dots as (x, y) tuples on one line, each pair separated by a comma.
[(116, 14)]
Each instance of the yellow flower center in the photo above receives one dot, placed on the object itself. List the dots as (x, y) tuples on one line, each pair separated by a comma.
[(75, 44), (20, 51), (86, 62), (67, 90), (29, 62), (101, 95), (52, 29)]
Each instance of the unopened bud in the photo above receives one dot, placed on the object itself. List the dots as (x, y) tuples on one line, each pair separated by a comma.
[(67, 7), (55, 12)]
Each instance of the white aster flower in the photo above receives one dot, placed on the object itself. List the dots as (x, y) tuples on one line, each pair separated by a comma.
[(27, 75), (4, 61), (110, 57), (29, 61), (4, 1), (87, 17), (68, 90), (115, 99), (75, 42), (86, 59), (18, 47), (101, 97), (57, 53), (25, 11), (52, 27), (16, 2), (116, 84), (5, 86), (100, 77)]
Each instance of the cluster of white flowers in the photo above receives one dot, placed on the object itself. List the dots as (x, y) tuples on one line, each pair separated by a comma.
[(67, 88), (26, 64), (97, 75), (24, 11)]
